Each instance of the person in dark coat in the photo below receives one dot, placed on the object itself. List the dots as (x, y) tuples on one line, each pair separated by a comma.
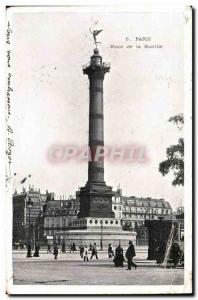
[(110, 251), (74, 247), (55, 251), (130, 253), (94, 252), (90, 247), (175, 253), (81, 251), (48, 249), (29, 250), (119, 257), (36, 253), (63, 247)]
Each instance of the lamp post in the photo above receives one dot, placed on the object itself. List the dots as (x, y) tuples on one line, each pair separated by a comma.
[(101, 237), (29, 205)]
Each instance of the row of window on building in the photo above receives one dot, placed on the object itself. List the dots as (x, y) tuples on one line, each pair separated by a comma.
[(151, 214), (145, 210), (55, 222), (58, 222), (96, 222)]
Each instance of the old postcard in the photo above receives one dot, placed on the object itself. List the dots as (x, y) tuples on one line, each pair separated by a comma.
[(98, 108)]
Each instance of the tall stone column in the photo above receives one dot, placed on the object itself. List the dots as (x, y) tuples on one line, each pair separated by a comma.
[(96, 72), (96, 196)]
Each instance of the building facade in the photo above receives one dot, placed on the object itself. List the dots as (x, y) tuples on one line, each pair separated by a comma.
[(130, 211), (28, 211), (136, 210), (47, 217), (58, 216)]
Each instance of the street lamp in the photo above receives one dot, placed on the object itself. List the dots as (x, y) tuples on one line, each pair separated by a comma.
[(101, 241), (29, 205)]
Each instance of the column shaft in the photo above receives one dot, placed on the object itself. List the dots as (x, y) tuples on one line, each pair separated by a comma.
[(96, 129)]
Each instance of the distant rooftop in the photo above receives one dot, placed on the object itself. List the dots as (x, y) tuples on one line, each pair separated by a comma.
[(145, 202)]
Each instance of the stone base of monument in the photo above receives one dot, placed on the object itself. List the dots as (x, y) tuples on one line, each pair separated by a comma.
[(102, 231)]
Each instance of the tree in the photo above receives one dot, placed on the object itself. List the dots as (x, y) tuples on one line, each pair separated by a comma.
[(175, 156)]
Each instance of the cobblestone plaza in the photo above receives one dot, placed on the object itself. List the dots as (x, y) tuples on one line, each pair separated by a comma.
[(70, 269)]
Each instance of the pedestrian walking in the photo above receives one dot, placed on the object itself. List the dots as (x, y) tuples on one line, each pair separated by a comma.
[(130, 253), (90, 247), (86, 254), (110, 251), (81, 251), (63, 247), (74, 247), (55, 251), (119, 257), (29, 250), (94, 252), (49, 249), (37, 248)]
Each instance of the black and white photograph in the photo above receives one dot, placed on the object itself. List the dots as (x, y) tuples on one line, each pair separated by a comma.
[(98, 185)]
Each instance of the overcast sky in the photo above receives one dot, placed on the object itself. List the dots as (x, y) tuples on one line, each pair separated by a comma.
[(50, 99)]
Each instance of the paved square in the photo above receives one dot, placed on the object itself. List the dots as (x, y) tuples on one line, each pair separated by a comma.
[(70, 269)]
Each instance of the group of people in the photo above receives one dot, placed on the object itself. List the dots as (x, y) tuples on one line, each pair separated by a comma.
[(63, 248), (36, 252), (37, 249), (119, 255), (55, 252), (84, 252)]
